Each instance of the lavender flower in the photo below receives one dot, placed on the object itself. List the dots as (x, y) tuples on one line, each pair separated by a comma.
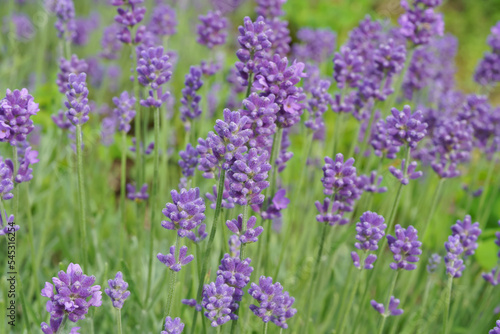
[(190, 108), (348, 68), (66, 67), (381, 142), (330, 214), (270, 8), (77, 101), (262, 111), (434, 261), (419, 25), (492, 277), (392, 309), (496, 329), (390, 58), (72, 292), (247, 177), (128, 17), (403, 127), (138, 196), (211, 31), (234, 246), (318, 104), (185, 213), (200, 234), (124, 111), (117, 290), (27, 158), (65, 24), (110, 44), (189, 160), (453, 259), (468, 234), (246, 236), (405, 247), (279, 37), (153, 70), (16, 110), (192, 303), (488, 69), (163, 21), (227, 201), (6, 179), (316, 44), (23, 28), (174, 263), (370, 230), (278, 203), (8, 226), (371, 183), (217, 301), (404, 175), (173, 326)]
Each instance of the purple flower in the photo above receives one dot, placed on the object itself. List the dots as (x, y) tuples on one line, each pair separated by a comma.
[(185, 213), (496, 329), (234, 246), (254, 42), (210, 68), (66, 67), (316, 44), (434, 261), (192, 303), (381, 142), (279, 37), (83, 27), (405, 247), (28, 157), (492, 277), (404, 175), (124, 110), (189, 160), (270, 8), (23, 28), (110, 44), (149, 149), (369, 231), (488, 69), (318, 104), (190, 108), (390, 58), (453, 259), (16, 110), (7, 227), (73, 296), (227, 201), (348, 68), (274, 304), (392, 309), (371, 183), (54, 327), (248, 177), (174, 263), (419, 25), (262, 111), (77, 101), (163, 21), (6, 179), (117, 290), (420, 71), (138, 196), (200, 234), (403, 127), (153, 70), (217, 301), (65, 24), (173, 326), (468, 234), (212, 30), (279, 202), (330, 214), (246, 236), (128, 17)]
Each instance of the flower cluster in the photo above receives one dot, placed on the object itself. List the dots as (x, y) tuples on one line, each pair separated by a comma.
[(189, 160), (175, 262), (405, 248), (129, 16), (468, 234), (65, 24), (420, 23), (124, 110), (173, 326), (66, 67), (77, 102), (369, 231), (316, 44), (248, 235), (117, 290), (217, 301), (211, 31), (392, 308), (493, 276), (153, 68), (16, 110), (190, 100), (488, 70), (185, 213), (163, 21), (138, 196), (453, 259)]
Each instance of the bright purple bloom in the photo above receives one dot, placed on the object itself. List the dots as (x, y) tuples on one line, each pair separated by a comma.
[(348, 68), (200, 234), (153, 70), (381, 142), (217, 301), (128, 17), (420, 71), (496, 329), (492, 277), (248, 177), (318, 104), (392, 309), (371, 183), (77, 102), (74, 294), (173, 326), (27, 158), (279, 37), (419, 25), (163, 21), (468, 234), (262, 111), (434, 261), (174, 263), (453, 259), (185, 213), (390, 58), (227, 201), (246, 236), (66, 67), (16, 110), (117, 290), (405, 175), (405, 247), (135, 195), (330, 214), (6, 228), (190, 100), (403, 127), (279, 202), (488, 70), (212, 30), (189, 160), (124, 110), (369, 231), (65, 24)]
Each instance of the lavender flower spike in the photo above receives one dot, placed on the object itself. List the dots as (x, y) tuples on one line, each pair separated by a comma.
[(117, 290), (434, 261), (250, 234), (392, 309), (406, 128), (153, 70), (173, 326), (77, 104), (217, 299), (404, 176), (405, 247), (137, 196), (370, 230), (211, 31), (175, 264), (185, 213), (6, 228), (468, 234), (124, 110), (496, 329), (453, 259)]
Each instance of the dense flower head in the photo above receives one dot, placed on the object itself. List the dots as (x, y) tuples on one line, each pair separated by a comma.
[(420, 71), (117, 290), (5, 224), (27, 157), (369, 230), (185, 213), (227, 201), (371, 183), (390, 57), (110, 44), (405, 127), (138, 196), (163, 21), (236, 273), (248, 177), (124, 110), (153, 68), (419, 25), (488, 69), (274, 304), (128, 17), (74, 294), (318, 104), (254, 42), (329, 212), (262, 111), (190, 100), (382, 142), (212, 30), (77, 103), (405, 247), (54, 325), (199, 235), (173, 263), (217, 301), (339, 179), (65, 24), (279, 37), (348, 67), (494, 38), (468, 234), (453, 259), (392, 307), (16, 110), (316, 44), (434, 261), (248, 235), (270, 8), (405, 175), (277, 78), (189, 160), (6, 179), (365, 38), (173, 326)]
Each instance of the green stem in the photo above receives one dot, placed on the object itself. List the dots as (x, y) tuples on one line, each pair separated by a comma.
[(122, 224), (81, 196), (31, 238), (215, 222), (119, 320), (243, 230), (347, 309), (384, 317), (219, 329), (250, 82), (484, 195), (173, 280), (435, 200), (63, 324), (447, 306), (265, 327)]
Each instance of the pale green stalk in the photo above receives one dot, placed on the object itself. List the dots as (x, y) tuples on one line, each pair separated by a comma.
[(122, 224), (243, 230), (446, 321), (81, 196), (119, 320), (265, 327)]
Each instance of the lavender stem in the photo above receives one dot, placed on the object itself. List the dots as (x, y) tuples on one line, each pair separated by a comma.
[(81, 195), (119, 320), (447, 307), (122, 191)]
